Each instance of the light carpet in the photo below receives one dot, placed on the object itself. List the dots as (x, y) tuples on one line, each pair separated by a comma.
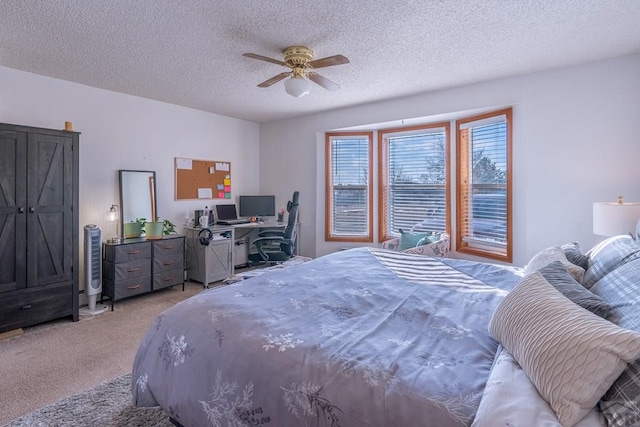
[(108, 404)]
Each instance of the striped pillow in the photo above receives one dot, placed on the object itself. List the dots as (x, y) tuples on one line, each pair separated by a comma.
[(558, 276), (574, 255)]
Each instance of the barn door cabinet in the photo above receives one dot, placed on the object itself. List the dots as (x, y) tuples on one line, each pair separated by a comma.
[(38, 225)]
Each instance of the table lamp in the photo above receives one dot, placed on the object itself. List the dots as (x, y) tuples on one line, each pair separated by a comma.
[(613, 218), (113, 216)]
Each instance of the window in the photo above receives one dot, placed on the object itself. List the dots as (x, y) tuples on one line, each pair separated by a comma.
[(348, 187), (413, 179), (484, 185)]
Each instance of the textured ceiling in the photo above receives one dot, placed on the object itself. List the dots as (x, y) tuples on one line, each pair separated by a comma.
[(189, 52)]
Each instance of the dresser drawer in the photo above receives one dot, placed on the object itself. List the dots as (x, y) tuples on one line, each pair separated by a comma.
[(27, 308), (168, 247), (128, 252), (168, 278), (127, 270), (128, 288), (168, 262)]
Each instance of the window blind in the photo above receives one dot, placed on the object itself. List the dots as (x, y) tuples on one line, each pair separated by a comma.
[(416, 174), (349, 186), (483, 184)]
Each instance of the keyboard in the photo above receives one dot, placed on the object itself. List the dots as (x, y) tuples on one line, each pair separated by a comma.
[(234, 221)]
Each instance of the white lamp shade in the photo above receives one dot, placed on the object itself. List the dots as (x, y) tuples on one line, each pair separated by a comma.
[(611, 219), (297, 86)]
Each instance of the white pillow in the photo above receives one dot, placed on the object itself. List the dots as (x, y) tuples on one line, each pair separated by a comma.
[(511, 399), (571, 355), (547, 256)]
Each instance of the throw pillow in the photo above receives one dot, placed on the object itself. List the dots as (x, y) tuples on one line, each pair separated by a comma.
[(410, 240), (571, 356), (554, 253), (608, 255), (428, 239), (558, 276), (574, 255)]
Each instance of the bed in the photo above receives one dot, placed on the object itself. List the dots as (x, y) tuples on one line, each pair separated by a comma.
[(362, 337)]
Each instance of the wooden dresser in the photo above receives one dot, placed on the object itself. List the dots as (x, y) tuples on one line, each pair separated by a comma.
[(139, 266)]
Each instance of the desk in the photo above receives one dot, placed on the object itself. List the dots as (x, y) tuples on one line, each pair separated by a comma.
[(225, 251), (244, 234)]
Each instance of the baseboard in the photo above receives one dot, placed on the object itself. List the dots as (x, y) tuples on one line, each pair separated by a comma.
[(11, 333)]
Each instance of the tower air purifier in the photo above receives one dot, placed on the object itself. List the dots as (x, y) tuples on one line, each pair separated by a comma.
[(92, 268)]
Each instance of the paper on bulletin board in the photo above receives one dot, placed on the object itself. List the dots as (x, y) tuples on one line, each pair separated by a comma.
[(184, 164), (205, 193), (222, 166)]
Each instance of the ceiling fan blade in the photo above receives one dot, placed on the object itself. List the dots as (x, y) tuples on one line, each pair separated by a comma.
[(329, 61), (323, 81), (264, 58), (274, 79)]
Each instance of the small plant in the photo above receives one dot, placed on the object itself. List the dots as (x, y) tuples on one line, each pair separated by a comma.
[(169, 227), (142, 222)]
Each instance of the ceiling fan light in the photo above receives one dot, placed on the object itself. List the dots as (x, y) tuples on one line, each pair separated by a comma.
[(297, 86)]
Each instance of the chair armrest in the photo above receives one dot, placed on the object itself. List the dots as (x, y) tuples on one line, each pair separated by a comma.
[(270, 233), (275, 240)]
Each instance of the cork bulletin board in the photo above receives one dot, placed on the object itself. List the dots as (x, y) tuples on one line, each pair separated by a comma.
[(202, 179)]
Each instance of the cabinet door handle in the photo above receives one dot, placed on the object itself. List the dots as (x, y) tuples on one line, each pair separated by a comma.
[(32, 209), (133, 252), (25, 307), (21, 210), (133, 287), (132, 270)]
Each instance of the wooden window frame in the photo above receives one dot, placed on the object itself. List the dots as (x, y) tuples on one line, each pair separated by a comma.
[(328, 225), (462, 172), (383, 166)]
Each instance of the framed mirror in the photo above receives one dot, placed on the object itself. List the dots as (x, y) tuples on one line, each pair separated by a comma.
[(137, 196)]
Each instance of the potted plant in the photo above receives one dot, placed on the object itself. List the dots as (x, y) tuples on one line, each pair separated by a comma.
[(158, 228), (132, 229)]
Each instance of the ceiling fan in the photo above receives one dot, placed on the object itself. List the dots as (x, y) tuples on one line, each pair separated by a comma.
[(300, 60)]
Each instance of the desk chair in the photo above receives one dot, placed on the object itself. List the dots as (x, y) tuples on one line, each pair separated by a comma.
[(275, 246)]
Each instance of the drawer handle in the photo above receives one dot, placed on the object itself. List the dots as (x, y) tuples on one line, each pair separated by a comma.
[(133, 252), (168, 263), (133, 287), (25, 307), (168, 247), (132, 270), (168, 278)]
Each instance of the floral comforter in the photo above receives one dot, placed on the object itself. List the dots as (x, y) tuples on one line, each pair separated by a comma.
[(363, 337)]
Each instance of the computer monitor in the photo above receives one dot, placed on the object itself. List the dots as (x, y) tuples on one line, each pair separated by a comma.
[(257, 206)]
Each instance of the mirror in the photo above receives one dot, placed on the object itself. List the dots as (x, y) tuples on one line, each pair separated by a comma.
[(137, 196)]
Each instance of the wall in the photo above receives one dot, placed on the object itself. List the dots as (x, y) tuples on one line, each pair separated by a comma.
[(127, 132), (575, 141)]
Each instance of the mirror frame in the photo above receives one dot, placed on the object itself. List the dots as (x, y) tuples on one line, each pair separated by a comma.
[(126, 192)]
